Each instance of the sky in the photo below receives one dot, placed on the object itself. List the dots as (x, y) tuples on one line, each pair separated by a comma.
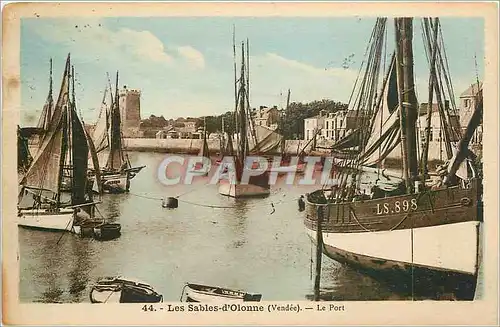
[(184, 65)]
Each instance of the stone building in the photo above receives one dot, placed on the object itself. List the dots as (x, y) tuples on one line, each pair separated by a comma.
[(130, 111), (267, 117), (467, 106)]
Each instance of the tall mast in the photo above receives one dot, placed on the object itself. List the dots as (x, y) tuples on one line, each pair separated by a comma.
[(64, 96), (49, 107), (283, 123), (402, 110), (409, 98), (235, 81), (243, 102), (50, 78), (204, 126), (248, 74)]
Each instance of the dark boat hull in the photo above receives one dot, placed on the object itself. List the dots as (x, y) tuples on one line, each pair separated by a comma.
[(427, 241), (122, 290)]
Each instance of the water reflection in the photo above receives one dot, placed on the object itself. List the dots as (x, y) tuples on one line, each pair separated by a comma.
[(112, 203), (80, 268), (237, 222)]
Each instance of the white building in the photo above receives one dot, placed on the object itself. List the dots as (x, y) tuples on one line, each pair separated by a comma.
[(335, 125), (313, 126), (332, 126)]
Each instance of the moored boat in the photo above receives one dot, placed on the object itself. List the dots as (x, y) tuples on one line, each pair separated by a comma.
[(64, 148), (255, 186), (62, 162), (116, 169), (204, 293), (423, 235), (123, 290)]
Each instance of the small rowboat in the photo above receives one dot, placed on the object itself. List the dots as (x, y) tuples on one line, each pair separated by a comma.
[(204, 293), (122, 290), (97, 228)]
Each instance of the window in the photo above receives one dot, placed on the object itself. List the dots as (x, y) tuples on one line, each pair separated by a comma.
[(327, 126), (467, 103)]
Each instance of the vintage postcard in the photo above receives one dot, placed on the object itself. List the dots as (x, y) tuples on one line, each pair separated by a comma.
[(250, 163)]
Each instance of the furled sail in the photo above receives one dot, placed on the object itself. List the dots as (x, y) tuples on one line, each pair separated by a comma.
[(385, 129), (95, 163), (267, 140), (116, 159), (45, 171), (349, 141)]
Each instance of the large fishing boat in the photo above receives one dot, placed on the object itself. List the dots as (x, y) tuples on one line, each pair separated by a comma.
[(63, 150), (235, 186), (117, 171), (422, 234)]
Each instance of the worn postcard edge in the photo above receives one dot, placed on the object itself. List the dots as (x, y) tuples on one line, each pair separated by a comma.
[(478, 312)]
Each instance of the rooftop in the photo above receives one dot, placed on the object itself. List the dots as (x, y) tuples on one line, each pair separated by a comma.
[(472, 90)]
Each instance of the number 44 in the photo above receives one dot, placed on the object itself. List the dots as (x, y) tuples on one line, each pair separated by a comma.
[(148, 308)]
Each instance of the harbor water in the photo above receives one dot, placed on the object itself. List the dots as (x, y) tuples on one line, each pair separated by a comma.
[(209, 239)]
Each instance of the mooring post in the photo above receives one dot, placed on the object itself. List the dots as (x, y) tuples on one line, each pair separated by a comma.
[(319, 253)]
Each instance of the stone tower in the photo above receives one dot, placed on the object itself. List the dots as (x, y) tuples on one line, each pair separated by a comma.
[(130, 111)]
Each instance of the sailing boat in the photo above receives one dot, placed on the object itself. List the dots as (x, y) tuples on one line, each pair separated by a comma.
[(63, 148), (256, 186), (199, 168), (117, 170), (419, 235)]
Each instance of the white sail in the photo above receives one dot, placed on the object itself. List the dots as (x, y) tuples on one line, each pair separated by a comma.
[(45, 171), (385, 131)]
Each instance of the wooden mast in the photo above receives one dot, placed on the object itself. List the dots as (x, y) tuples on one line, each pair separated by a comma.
[(235, 88), (242, 109), (50, 104), (283, 123), (402, 111), (407, 99)]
